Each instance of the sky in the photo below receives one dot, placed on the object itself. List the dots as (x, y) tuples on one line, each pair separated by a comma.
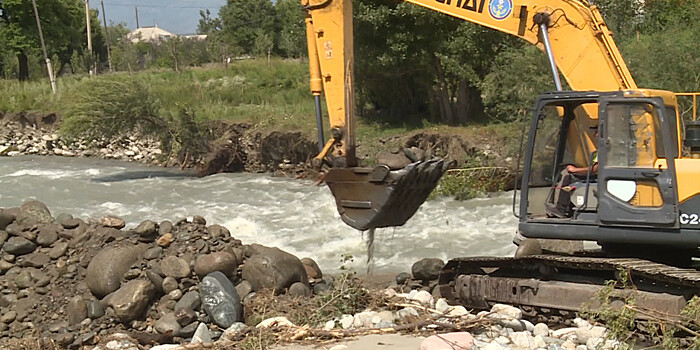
[(175, 16)]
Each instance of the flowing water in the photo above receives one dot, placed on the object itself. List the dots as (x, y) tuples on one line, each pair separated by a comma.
[(290, 214)]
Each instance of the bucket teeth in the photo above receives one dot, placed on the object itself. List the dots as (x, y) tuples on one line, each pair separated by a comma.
[(365, 203)]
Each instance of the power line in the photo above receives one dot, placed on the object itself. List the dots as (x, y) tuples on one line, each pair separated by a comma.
[(163, 6)]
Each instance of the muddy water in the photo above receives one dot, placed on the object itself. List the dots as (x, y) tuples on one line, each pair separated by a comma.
[(291, 214)]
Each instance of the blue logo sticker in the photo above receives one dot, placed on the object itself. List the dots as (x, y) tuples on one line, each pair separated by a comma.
[(500, 9)]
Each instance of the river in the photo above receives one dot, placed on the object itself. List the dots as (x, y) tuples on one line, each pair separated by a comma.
[(293, 215)]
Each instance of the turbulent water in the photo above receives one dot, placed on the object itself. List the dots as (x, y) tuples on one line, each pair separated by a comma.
[(290, 214)]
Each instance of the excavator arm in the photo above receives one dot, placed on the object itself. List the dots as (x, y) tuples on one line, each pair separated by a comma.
[(571, 32)]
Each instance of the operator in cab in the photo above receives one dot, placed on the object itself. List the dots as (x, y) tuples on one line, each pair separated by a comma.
[(562, 206)]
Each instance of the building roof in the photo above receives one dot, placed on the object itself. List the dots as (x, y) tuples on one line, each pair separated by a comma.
[(149, 34)]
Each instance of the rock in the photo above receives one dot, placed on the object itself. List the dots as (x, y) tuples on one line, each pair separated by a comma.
[(3, 237), (218, 231), (244, 288), (107, 268), (427, 269), (541, 329), (165, 227), (164, 240), (37, 260), (167, 324), (185, 316), (34, 212), (47, 235), (24, 280), (595, 343), (508, 311), (312, 269), (111, 221), (94, 309), (219, 261), (346, 321), (516, 325), (456, 340), (175, 267), (58, 250), (77, 310), (559, 333), (299, 289), (5, 219), (321, 288), (407, 312), (191, 300), (402, 278), (423, 297), (201, 335), (393, 160), (363, 319), (175, 294), (70, 223), (19, 246), (5, 265), (146, 228), (220, 300), (442, 306), (273, 268), (8, 317), (153, 253), (169, 284), (456, 311), (188, 330), (585, 333), (131, 301), (274, 322), (234, 331), (523, 340)]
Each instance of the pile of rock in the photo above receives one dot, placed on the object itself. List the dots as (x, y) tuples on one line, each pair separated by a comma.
[(75, 282), (16, 139)]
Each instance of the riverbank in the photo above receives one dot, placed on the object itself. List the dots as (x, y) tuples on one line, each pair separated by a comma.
[(94, 284)]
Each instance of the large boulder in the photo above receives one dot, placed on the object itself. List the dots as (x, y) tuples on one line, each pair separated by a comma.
[(219, 261), (273, 268), (220, 300), (427, 269), (132, 300), (34, 212), (107, 268)]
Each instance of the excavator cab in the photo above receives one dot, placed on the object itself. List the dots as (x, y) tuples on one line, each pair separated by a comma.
[(633, 196)]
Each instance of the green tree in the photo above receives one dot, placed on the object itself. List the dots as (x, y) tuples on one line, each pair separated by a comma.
[(241, 20), (62, 22), (208, 25), (291, 35)]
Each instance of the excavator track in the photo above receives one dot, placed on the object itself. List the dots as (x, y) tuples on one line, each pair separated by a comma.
[(566, 283)]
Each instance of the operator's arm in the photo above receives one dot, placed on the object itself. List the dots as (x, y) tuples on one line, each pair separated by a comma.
[(572, 169)]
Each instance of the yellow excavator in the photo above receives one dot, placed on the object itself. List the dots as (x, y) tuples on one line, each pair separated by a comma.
[(639, 198)]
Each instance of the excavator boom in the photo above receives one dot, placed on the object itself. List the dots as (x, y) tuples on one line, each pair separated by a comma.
[(572, 32)]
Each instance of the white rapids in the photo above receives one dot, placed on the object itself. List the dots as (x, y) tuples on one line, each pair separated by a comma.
[(290, 214)]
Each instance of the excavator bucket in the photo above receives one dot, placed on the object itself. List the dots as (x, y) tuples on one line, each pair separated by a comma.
[(369, 198)]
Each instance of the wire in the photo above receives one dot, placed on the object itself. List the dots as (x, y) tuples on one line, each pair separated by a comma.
[(162, 6)]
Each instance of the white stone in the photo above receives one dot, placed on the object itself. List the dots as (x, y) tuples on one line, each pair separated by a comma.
[(46, 138), (57, 151), (363, 319), (581, 323), (611, 344), (165, 347), (201, 335), (568, 345), (339, 347), (494, 345), (129, 153), (507, 311), (563, 331), (386, 316), (441, 305), (54, 137), (13, 153), (528, 325), (584, 333), (274, 321), (458, 310), (405, 312), (329, 325), (389, 292), (522, 339), (346, 321), (595, 343), (539, 342), (541, 329), (411, 294), (120, 345), (502, 340), (424, 298), (581, 347)]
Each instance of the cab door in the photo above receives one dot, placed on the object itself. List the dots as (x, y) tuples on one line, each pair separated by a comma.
[(637, 187)]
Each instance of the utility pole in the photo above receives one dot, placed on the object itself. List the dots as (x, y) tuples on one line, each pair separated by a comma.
[(89, 37), (104, 21), (136, 9), (43, 48)]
